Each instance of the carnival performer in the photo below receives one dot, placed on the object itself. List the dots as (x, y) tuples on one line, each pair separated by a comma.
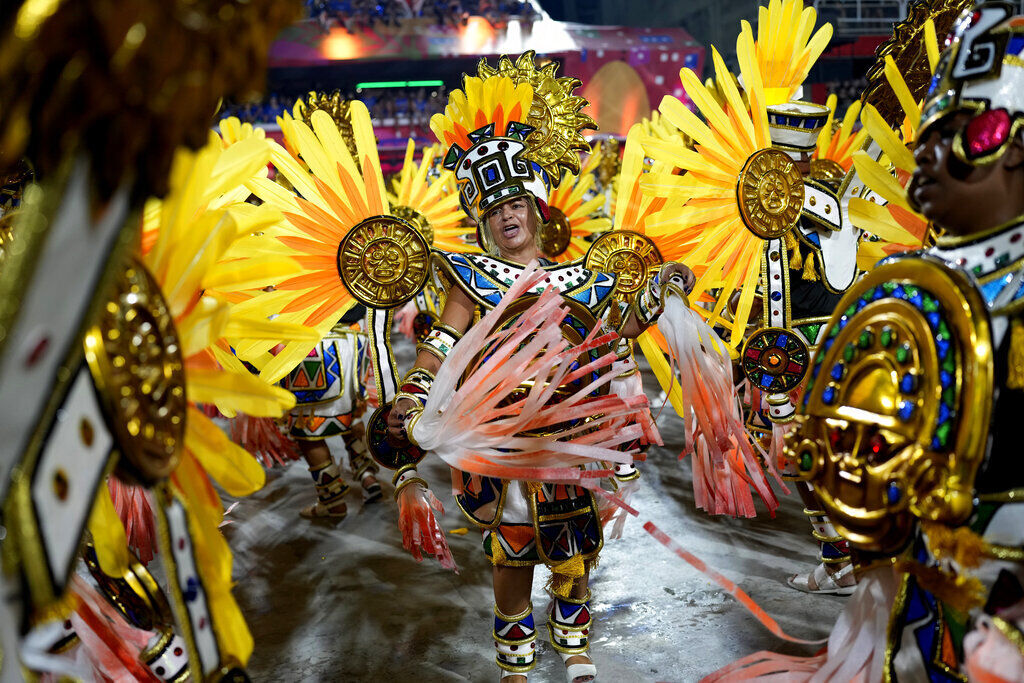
[(330, 402), (525, 523), (906, 428)]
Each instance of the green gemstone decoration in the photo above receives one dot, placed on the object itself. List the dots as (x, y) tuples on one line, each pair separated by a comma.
[(805, 461), (944, 329), (851, 310), (865, 339), (948, 365), (943, 433), (903, 353), (886, 337), (849, 352), (930, 305), (948, 395), (889, 287)]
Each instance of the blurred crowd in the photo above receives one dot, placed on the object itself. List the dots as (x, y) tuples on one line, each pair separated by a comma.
[(359, 15), (388, 106), (846, 91)]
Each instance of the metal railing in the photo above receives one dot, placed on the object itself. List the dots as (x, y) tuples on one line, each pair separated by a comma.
[(870, 17)]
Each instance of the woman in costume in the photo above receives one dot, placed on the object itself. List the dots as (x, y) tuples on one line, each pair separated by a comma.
[(504, 188)]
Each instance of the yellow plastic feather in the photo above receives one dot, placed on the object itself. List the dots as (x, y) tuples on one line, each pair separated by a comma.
[(237, 393), (108, 536), (231, 466)]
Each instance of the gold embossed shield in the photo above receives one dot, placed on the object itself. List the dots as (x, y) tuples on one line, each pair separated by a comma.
[(896, 413)]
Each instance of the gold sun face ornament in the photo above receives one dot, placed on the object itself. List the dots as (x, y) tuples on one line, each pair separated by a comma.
[(384, 261), (770, 193), (555, 234), (633, 257), (896, 412), (135, 357), (554, 112)]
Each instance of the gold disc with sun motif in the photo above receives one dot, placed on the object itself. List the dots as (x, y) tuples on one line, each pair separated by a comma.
[(384, 261), (633, 257), (555, 235), (554, 114), (770, 193), (134, 355)]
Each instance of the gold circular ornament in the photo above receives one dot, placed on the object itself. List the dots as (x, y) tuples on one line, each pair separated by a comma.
[(827, 169), (770, 193), (418, 221), (384, 261), (897, 409), (556, 234), (554, 113), (134, 354), (633, 257)]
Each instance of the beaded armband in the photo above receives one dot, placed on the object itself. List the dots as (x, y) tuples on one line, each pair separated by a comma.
[(626, 472), (647, 304), (416, 385), (404, 477), (440, 341)]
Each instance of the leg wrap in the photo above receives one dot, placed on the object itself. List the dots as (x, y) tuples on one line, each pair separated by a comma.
[(359, 455), (330, 487), (569, 624), (833, 548), (514, 641)]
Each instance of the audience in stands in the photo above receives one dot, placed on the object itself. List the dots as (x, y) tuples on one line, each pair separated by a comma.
[(388, 106), (360, 15)]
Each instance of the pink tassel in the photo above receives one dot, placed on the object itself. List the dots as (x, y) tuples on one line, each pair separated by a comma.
[(262, 437), (856, 646), (420, 531), (210, 410), (724, 465), (136, 514), (110, 645), (404, 319), (477, 428)]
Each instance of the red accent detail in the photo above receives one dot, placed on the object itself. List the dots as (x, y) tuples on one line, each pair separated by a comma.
[(876, 444), (37, 352), (181, 544), (1015, 237), (515, 633), (990, 251), (178, 652), (753, 353), (586, 631), (793, 367), (202, 623), (545, 212), (987, 132)]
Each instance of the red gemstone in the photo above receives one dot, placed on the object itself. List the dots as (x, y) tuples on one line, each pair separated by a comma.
[(1015, 237), (990, 251), (988, 131), (178, 652), (37, 351), (202, 622), (181, 544), (586, 631)]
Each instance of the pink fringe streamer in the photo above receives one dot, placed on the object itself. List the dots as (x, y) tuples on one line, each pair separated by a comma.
[(420, 531), (856, 646), (263, 438), (724, 465), (469, 430), (989, 656), (136, 514), (109, 645)]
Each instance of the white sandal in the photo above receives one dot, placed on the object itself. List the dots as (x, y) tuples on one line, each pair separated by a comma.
[(569, 623), (578, 673), (827, 584)]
